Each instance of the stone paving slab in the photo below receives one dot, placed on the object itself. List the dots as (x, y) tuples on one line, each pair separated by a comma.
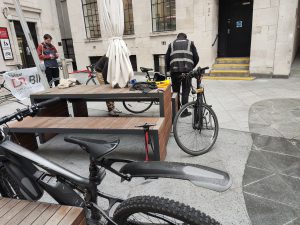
[(271, 183), (269, 155)]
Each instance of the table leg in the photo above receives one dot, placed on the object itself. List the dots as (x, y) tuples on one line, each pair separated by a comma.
[(80, 108), (56, 109), (174, 105), (26, 140), (158, 149)]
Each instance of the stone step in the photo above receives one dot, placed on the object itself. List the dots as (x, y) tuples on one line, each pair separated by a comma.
[(228, 66), (210, 77), (230, 73), (233, 60)]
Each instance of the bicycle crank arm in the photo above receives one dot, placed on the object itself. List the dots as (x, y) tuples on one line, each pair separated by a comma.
[(201, 176)]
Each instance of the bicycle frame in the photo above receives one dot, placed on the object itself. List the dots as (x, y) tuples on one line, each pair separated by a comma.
[(20, 163), (23, 166)]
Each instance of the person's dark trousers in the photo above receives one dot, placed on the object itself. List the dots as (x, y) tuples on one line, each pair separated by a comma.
[(52, 73), (177, 81)]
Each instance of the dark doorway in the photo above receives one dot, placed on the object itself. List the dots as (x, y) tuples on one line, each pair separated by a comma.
[(235, 27), (94, 59), (24, 50), (159, 63), (133, 62), (69, 51)]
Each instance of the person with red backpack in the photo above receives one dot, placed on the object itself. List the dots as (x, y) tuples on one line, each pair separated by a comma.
[(48, 53)]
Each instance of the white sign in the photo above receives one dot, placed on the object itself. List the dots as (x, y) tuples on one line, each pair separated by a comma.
[(239, 24), (6, 49), (23, 82)]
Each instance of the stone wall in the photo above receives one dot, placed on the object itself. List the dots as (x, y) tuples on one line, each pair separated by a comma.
[(273, 35), (197, 18), (43, 13)]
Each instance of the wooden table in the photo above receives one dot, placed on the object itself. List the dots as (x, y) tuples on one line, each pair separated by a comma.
[(79, 95), (13, 211)]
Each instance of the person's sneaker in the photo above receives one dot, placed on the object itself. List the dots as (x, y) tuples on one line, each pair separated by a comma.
[(114, 112), (185, 114)]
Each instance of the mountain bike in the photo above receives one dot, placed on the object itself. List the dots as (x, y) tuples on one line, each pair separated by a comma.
[(22, 178), (131, 106), (143, 106), (91, 75), (196, 125), (89, 70)]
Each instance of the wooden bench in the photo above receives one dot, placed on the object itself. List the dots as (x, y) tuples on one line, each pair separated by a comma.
[(25, 131), (14, 211)]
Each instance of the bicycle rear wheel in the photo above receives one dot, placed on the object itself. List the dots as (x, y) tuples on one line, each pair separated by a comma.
[(155, 210), (137, 107), (190, 138)]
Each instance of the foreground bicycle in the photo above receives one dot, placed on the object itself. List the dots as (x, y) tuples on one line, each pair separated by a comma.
[(196, 125), (21, 178)]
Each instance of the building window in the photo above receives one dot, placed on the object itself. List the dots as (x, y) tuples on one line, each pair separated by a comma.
[(133, 62), (69, 51), (159, 63), (163, 15), (91, 18), (128, 17), (94, 59)]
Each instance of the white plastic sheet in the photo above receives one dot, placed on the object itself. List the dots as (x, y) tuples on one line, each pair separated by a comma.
[(23, 82), (112, 25)]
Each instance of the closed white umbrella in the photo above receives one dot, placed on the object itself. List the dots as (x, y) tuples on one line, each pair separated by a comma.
[(112, 25)]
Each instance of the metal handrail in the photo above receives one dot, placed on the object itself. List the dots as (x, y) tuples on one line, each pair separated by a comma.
[(217, 36)]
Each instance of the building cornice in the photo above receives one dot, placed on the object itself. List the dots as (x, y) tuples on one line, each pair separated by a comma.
[(165, 33), (24, 7)]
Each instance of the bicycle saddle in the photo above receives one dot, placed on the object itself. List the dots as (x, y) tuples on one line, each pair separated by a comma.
[(145, 70), (96, 148)]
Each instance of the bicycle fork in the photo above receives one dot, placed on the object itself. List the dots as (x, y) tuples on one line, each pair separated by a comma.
[(197, 115)]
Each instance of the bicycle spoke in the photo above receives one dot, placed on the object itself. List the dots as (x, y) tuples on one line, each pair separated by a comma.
[(152, 218), (192, 137)]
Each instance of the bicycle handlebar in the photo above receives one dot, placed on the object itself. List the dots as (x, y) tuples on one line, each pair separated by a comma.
[(29, 111), (46, 102), (197, 72)]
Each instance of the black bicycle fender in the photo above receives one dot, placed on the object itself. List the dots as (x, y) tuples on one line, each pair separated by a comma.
[(201, 176), (28, 186)]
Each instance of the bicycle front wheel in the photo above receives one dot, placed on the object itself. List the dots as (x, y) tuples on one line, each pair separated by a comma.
[(156, 210), (192, 136), (137, 107)]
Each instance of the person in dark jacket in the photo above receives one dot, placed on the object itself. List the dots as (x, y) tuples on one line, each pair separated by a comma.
[(101, 68), (181, 57), (48, 53)]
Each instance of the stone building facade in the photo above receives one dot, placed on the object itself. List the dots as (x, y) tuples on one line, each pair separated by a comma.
[(274, 33), (266, 31), (41, 17)]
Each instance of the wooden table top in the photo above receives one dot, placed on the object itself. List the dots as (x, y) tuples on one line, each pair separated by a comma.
[(95, 90), (14, 211)]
